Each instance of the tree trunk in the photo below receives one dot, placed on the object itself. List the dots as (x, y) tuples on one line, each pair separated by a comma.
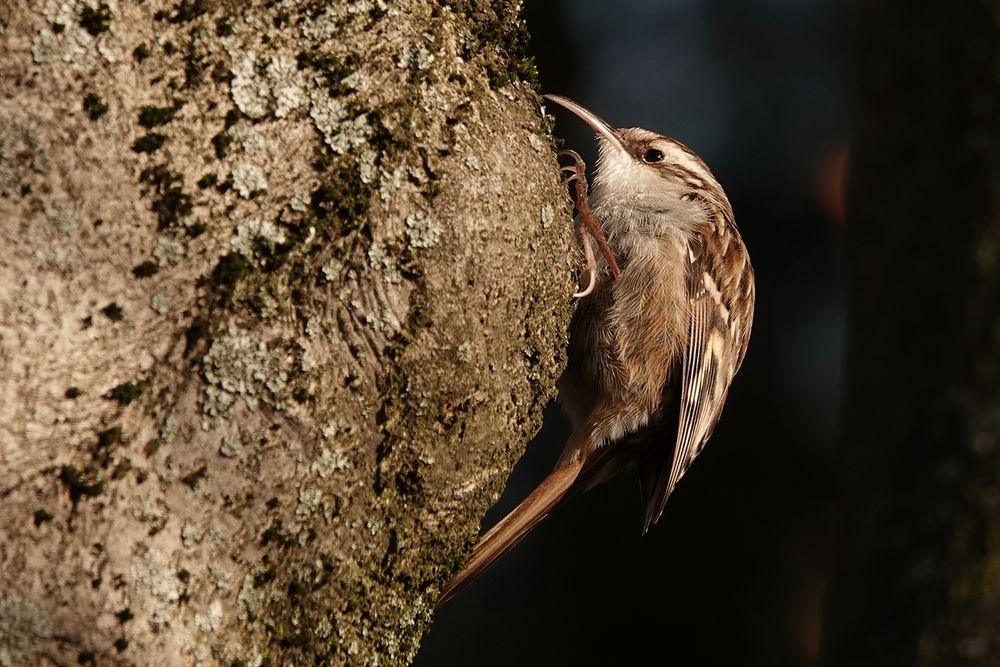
[(917, 576), (283, 291)]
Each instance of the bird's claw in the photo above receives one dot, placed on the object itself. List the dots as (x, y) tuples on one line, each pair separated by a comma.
[(585, 222)]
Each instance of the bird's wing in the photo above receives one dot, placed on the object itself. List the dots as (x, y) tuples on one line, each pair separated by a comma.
[(720, 293)]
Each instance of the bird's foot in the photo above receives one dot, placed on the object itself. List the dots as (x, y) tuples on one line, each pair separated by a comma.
[(585, 222)]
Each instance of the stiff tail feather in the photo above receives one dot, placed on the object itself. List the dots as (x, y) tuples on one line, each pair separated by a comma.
[(512, 528)]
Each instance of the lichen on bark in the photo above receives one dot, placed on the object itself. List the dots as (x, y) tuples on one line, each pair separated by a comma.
[(299, 260)]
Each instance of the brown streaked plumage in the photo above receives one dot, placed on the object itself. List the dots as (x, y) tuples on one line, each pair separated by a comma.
[(653, 351)]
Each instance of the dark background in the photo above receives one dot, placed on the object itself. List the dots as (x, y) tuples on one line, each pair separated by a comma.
[(735, 570)]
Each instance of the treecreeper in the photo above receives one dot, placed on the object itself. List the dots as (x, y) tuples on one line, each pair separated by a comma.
[(658, 334)]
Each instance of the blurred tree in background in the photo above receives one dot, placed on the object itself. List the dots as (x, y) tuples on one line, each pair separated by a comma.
[(917, 580)]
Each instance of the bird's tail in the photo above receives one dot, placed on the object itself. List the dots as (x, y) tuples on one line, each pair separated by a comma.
[(512, 528)]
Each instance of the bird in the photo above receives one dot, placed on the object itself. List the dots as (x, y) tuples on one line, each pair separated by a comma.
[(657, 336)]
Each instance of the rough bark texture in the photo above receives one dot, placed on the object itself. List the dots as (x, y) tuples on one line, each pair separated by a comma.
[(283, 290), (918, 580)]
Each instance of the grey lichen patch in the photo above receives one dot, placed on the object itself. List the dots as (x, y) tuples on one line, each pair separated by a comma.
[(367, 169), (169, 429), (232, 448), (435, 101), (299, 202), (390, 182), (286, 86), (381, 321), (250, 140), (310, 500), (248, 179), (333, 119), (308, 361), (329, 461), (75, 28), (249, 89), (45, 47), (169, 250), (155, 585), (24, 629), (332, 269), (415, 57), (422, 231), (211, 620), (191, 535), (160, 303), (74, 46), (357, 80), (548, 215), (219, 576), (385, 263), (465, 353), (325, 24), (254, 236), (314, 326), (276, 88), (240, 365)]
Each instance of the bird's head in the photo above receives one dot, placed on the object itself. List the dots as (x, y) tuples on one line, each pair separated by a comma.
[(642, 167)]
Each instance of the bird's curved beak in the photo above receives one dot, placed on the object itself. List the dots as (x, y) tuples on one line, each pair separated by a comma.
[(596, 123)]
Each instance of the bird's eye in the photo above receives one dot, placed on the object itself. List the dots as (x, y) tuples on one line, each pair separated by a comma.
[(652, 155)]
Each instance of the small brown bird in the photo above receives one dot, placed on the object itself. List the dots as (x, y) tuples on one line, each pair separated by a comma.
[(652, 348)]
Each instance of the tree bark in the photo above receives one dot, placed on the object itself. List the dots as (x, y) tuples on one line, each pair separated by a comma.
[(283, 291), (917, 577)]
